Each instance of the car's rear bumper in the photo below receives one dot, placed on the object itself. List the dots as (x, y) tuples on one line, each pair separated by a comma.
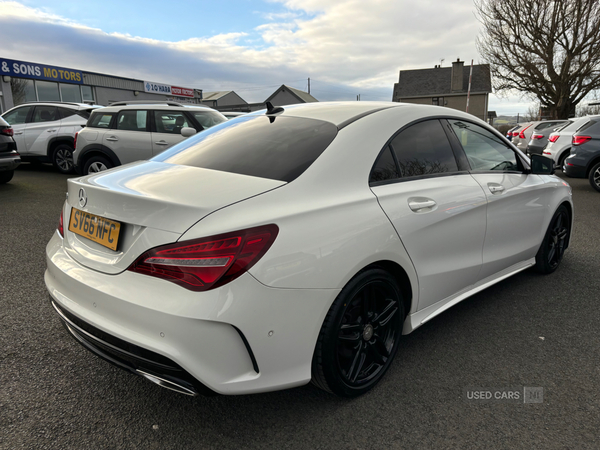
[(241, 338), (575, 167), (9, 161)]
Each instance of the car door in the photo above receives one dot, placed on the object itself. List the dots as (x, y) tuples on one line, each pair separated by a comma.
[(130, 137), (517, 201), (167, 129), (42, 127), (17, 118), (436, 207)]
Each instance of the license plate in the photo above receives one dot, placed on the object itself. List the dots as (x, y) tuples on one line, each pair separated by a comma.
[(95, 228)]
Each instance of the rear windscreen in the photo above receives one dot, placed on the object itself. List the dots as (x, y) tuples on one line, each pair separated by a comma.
[(279, 148)]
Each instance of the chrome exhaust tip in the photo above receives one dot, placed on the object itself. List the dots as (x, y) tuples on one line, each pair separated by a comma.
[(167, 384)]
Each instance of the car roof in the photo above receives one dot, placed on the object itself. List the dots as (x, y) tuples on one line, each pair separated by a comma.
[(338, 113), (154, 106), (71, 105)]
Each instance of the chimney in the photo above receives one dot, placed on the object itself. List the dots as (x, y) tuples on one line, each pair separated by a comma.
[(457, 76)]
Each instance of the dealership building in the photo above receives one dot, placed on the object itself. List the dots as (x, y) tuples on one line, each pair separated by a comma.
[(23, 81)]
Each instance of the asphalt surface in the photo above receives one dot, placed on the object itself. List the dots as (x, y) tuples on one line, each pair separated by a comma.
[(527, 331)]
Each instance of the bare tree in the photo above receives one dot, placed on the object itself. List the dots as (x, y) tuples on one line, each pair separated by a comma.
[(547, 48)]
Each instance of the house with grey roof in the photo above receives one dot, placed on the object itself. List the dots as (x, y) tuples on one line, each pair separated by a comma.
[(447, 86), (224, 101), (287, 95)]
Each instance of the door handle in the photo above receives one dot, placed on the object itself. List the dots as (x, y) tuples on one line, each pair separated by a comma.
[(421, 204), (112, 139), (51, 131), (161, 143), (18, 132), (495, 188)]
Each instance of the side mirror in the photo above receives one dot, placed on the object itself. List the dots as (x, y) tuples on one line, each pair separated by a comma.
[(540, 165), (187, 132)]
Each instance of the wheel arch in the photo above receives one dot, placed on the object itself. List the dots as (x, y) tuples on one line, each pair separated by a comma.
[(590, 165), (56, 141), (398, 272), (97, 150)]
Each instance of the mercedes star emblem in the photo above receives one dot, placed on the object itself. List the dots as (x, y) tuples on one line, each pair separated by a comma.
[(82, 197)]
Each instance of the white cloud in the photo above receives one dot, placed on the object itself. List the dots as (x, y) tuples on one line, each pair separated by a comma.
[(355, 45)]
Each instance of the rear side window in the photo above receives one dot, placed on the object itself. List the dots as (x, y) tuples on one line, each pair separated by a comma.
[(64, 112), (385, 168), (132, 120), (278, 148), (424, 149), (45, 114), (100, 120)]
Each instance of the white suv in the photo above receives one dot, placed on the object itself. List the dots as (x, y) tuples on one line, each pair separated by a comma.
[(45, 131), (131, 131)]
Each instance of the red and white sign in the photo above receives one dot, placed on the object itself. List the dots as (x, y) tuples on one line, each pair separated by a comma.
[(182, 92)]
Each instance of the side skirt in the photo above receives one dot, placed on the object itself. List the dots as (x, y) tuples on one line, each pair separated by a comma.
[(418, 318)]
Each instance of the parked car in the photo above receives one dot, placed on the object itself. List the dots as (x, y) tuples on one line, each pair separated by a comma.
[(539, 139), (45, 131), (131, 131), (559, 142), (584, 159), (232, 114), (9, 158), (527, 130), (298, 243), (510, 133)]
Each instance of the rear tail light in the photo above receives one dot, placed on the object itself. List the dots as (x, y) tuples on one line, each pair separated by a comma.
[(207, 263), (7, 131), (514, 133), (537, 136), (578, 140), (60, 227), (546, 153), (522, 132), (75, 141), (553, 137)]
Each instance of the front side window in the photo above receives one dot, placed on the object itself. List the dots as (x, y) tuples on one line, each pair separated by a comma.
[(278, 148), (45, 114), (423, 149), (485, 151), (170, 121), (17, 116), (132, 120), (208, 119), (99, 120)]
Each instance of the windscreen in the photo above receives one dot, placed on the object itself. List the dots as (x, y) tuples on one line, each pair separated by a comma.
[(278, 148)]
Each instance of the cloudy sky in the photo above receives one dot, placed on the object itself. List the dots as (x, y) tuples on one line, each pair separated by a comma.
[(346, 47)]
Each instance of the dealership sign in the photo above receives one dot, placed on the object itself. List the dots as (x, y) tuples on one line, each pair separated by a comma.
[(22, 69), (158, 88)]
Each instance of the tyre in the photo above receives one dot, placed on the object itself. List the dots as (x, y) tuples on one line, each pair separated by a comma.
[(595, 177), (96, 164), (360, 335), (561, 160), (62, 158), (6, 176), (553, 246)]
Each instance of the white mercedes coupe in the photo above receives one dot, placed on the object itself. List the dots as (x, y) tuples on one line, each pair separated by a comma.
[(298, 243)]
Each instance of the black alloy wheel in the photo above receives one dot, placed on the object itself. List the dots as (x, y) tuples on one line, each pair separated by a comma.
[(555, 242), (360, 335), (62, 158), (561, 161)]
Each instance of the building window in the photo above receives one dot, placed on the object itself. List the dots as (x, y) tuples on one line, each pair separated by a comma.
[(70, 93), (47, 91), (87, 94), (23, 91), (435, 101)]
